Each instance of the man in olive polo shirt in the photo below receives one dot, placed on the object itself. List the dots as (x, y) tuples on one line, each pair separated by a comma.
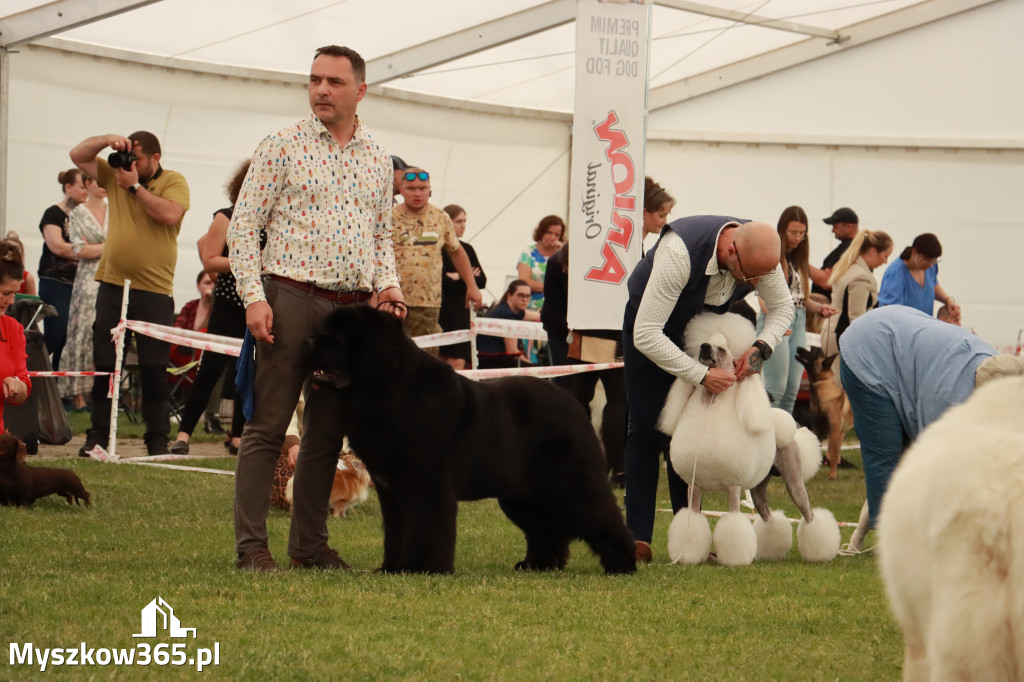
[(147, 204)]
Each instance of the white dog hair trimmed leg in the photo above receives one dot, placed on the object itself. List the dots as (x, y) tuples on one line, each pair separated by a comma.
[(734, 540), (774, 537), (819, 539), (951, 541), (689, 538)]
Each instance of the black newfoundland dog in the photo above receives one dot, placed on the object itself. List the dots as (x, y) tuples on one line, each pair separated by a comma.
[(431, 437)]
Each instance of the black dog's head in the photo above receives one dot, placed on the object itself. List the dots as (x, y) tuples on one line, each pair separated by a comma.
[(353, 339)]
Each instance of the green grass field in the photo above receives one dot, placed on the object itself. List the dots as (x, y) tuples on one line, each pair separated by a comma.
[(74, 575)]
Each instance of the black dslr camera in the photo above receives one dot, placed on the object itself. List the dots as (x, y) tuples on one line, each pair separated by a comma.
[(122, 160)]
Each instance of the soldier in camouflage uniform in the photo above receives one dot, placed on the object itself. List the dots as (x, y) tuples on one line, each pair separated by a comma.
[(419, 232)]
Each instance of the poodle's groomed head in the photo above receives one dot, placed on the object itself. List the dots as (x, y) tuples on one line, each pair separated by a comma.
[(717, 340)]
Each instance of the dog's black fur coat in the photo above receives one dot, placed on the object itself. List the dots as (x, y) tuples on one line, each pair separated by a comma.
[(430, 437)]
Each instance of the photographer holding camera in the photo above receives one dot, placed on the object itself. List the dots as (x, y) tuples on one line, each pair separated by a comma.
[(147, 205)]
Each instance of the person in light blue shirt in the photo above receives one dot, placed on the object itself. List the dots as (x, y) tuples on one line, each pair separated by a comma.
[(913, 280), (901, 370)]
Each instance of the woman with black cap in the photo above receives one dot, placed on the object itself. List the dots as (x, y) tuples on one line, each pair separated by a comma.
[(913, 279)]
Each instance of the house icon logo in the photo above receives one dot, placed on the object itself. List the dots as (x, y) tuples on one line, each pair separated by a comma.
[(158, 614)]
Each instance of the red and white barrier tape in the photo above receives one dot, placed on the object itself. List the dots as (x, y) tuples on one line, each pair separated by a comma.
[(512, 329), (181, 468), (544, 371), (226, 345), (444, 338), (69, 374)]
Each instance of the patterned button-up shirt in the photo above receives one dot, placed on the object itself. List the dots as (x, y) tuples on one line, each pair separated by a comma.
[(419, 239), (326, 210)]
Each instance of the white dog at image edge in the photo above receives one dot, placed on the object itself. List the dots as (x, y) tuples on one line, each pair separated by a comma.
[(951, 541)]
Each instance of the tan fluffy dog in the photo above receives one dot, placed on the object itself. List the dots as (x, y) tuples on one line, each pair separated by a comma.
[(351, 485), (951, 541)]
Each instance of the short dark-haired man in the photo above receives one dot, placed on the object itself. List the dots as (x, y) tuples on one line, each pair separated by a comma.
[(845, 225), (321, 189), (147, 204)]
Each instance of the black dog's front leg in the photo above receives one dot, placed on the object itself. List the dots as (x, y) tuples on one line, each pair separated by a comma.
[(428, 542), (394, 528)]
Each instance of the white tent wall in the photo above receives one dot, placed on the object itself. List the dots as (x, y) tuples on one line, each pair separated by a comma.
[(971, 199), (957, 79), (507, 171), (921, 131)]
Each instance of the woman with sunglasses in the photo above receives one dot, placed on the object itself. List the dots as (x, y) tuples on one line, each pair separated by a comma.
[(913, 280), (854, 289), (782, 372)]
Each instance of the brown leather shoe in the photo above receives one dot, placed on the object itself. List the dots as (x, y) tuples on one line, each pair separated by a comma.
[(257, 560), (643, 552), (328, 558)]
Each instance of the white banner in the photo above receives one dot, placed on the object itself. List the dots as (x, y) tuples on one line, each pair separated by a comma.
[(606, 189)]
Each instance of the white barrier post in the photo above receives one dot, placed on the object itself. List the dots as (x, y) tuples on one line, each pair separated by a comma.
[(473, 361), (115, 386)]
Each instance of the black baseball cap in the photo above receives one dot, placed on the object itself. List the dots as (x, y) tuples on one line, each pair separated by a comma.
[(842, 215), (398, 164)]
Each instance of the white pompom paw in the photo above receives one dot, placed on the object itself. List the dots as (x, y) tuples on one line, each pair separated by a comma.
[(689, 538), (774, 538), (819, 540), (734, 539)]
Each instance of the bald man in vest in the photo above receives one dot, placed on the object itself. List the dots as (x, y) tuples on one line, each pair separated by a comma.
[(700, 263)]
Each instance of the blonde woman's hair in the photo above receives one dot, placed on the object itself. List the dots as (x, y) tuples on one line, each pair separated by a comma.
[(861, 244)]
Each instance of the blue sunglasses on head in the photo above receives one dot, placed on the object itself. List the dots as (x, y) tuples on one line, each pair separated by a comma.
[(422, 175)]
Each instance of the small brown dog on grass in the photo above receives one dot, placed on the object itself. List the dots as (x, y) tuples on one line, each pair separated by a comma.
[(21, 485), (351, 485), (827, 399)]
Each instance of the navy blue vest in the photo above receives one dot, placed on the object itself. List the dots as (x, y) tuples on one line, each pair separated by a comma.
[(699, 234)]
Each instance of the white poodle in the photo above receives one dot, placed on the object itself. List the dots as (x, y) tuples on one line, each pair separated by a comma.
[(951, 541), (731, 441)]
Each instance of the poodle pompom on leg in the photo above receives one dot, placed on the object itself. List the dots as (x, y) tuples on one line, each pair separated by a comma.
[(689, 538), (819, 540), (774, 537), (735, 541)]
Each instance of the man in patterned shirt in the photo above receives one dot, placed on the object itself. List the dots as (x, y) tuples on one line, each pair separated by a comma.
[(699, 263), (321, 189), (421, 230)]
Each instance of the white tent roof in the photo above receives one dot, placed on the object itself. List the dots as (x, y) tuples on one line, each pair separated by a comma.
[(915, 118), (516, 53)]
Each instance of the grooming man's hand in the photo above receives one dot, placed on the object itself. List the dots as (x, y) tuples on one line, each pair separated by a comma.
[(749, 363), (717, 380)]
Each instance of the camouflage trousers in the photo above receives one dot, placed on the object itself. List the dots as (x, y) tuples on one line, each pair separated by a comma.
[(422, 321)]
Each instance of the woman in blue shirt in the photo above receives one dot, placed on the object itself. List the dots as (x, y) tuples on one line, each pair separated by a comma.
[(913, 279)]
